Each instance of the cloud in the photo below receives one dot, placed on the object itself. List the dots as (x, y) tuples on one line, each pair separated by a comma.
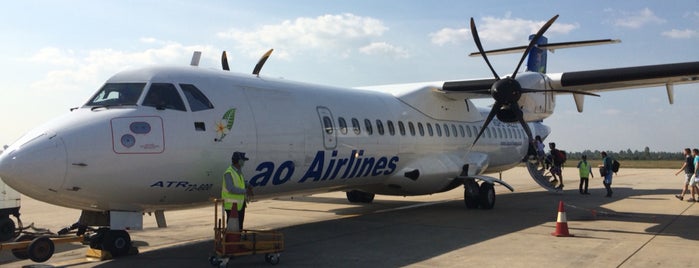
[(79, 70), (383, 48), (327, 34), (635, 20), (502, 31), (680, 34), (450, 35)]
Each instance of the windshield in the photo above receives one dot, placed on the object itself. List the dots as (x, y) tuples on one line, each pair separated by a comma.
[(117, 94)]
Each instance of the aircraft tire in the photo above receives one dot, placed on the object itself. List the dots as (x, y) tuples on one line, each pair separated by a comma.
[(21, 253), (486, 196), (355, 196), (117, 242), (7, 228), (471, 192)]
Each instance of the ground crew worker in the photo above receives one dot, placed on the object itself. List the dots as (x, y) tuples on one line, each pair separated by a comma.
[(235, 189)]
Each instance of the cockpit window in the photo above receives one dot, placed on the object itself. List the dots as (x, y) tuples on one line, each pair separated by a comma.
[(197, 100), (163, 96), (113, 94)]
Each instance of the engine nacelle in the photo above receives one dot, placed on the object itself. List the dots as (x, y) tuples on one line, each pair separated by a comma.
[(536, 106)]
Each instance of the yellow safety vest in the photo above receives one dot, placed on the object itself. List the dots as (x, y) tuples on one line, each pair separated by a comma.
[(584, 169), (230, 198)]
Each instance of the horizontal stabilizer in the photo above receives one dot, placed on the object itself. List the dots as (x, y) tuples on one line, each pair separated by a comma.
[(550, 47)]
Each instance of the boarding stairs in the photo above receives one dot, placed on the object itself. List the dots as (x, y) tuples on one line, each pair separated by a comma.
[(540, 175)]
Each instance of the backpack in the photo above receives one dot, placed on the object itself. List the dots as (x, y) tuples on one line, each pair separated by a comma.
[(615, 166), (560, 156)]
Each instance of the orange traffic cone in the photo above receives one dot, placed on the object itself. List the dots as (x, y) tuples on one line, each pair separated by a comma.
[(232, 236), (561, 222), (233, 224)]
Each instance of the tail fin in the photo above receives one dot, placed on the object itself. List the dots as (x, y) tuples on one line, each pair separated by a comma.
[(536, 60)]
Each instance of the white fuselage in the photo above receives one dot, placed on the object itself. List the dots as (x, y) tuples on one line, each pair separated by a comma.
[(300, 138)]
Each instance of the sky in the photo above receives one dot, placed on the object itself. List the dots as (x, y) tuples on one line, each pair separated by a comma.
[(56, 54)]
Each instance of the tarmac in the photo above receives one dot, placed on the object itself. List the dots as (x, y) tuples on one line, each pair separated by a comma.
[(642, 225)]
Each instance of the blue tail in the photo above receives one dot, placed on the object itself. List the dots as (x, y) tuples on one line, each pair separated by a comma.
[(536, 60)]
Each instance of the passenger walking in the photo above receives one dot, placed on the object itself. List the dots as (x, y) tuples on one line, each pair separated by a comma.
[(688, 168), (585, 170), (540, 153), (694, 189), (558, 157), (606, 172)]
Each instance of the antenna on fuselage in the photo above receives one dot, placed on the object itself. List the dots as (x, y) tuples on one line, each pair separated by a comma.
[(195, 58), (261, 62)]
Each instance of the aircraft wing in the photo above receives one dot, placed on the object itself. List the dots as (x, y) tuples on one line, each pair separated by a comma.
[(630, 77)]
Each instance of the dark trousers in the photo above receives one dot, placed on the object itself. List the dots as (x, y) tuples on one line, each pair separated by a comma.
[(583, 182), (241, 216), (608, 186)]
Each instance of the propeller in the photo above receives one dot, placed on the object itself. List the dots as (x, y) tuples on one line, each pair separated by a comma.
[(261, 62), (507, 91), (224, 61)]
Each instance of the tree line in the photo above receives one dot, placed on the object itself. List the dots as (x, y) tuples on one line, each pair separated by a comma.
[(628, 154)]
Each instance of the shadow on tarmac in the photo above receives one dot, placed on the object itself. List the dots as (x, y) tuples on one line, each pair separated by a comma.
[(405, 237)]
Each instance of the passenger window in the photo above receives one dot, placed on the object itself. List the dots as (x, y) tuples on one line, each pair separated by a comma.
[(328, 125), (391, 129), (411, 126), (343, 125), (500, 133), (461, 130), (163, 96), (421, 129), (367, 125), (117, 94), (487, 132), (355, 126), (379, 127), (429, 129), (401, 128), (439, 129), (197, 100), (468, 131)]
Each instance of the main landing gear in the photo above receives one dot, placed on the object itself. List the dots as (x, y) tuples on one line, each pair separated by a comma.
[(476, 196), (355, 196)]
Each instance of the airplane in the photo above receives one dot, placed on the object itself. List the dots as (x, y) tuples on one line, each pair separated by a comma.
[(160, 138)]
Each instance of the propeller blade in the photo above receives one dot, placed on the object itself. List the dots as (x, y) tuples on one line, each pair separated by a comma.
[(532, 42), (261, 62), (224, 61), (528, 90), (493, 112), (477, 39)]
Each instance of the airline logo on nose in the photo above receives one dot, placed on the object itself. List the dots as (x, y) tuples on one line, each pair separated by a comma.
[(353, 166)]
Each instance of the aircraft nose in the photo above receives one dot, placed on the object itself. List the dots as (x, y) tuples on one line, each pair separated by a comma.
[(35, 166)]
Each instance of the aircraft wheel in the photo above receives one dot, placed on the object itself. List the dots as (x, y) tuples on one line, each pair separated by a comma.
[(355, 196), (486, 196), (7, 228), (117, 242), (40, 249), (471, 192)]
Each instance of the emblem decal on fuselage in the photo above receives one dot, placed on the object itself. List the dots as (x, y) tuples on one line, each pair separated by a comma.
[(224, 126)]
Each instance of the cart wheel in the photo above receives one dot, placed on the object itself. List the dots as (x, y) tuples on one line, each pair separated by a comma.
[(214, 261), (40, 249), (21, 253), (272, 259)]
